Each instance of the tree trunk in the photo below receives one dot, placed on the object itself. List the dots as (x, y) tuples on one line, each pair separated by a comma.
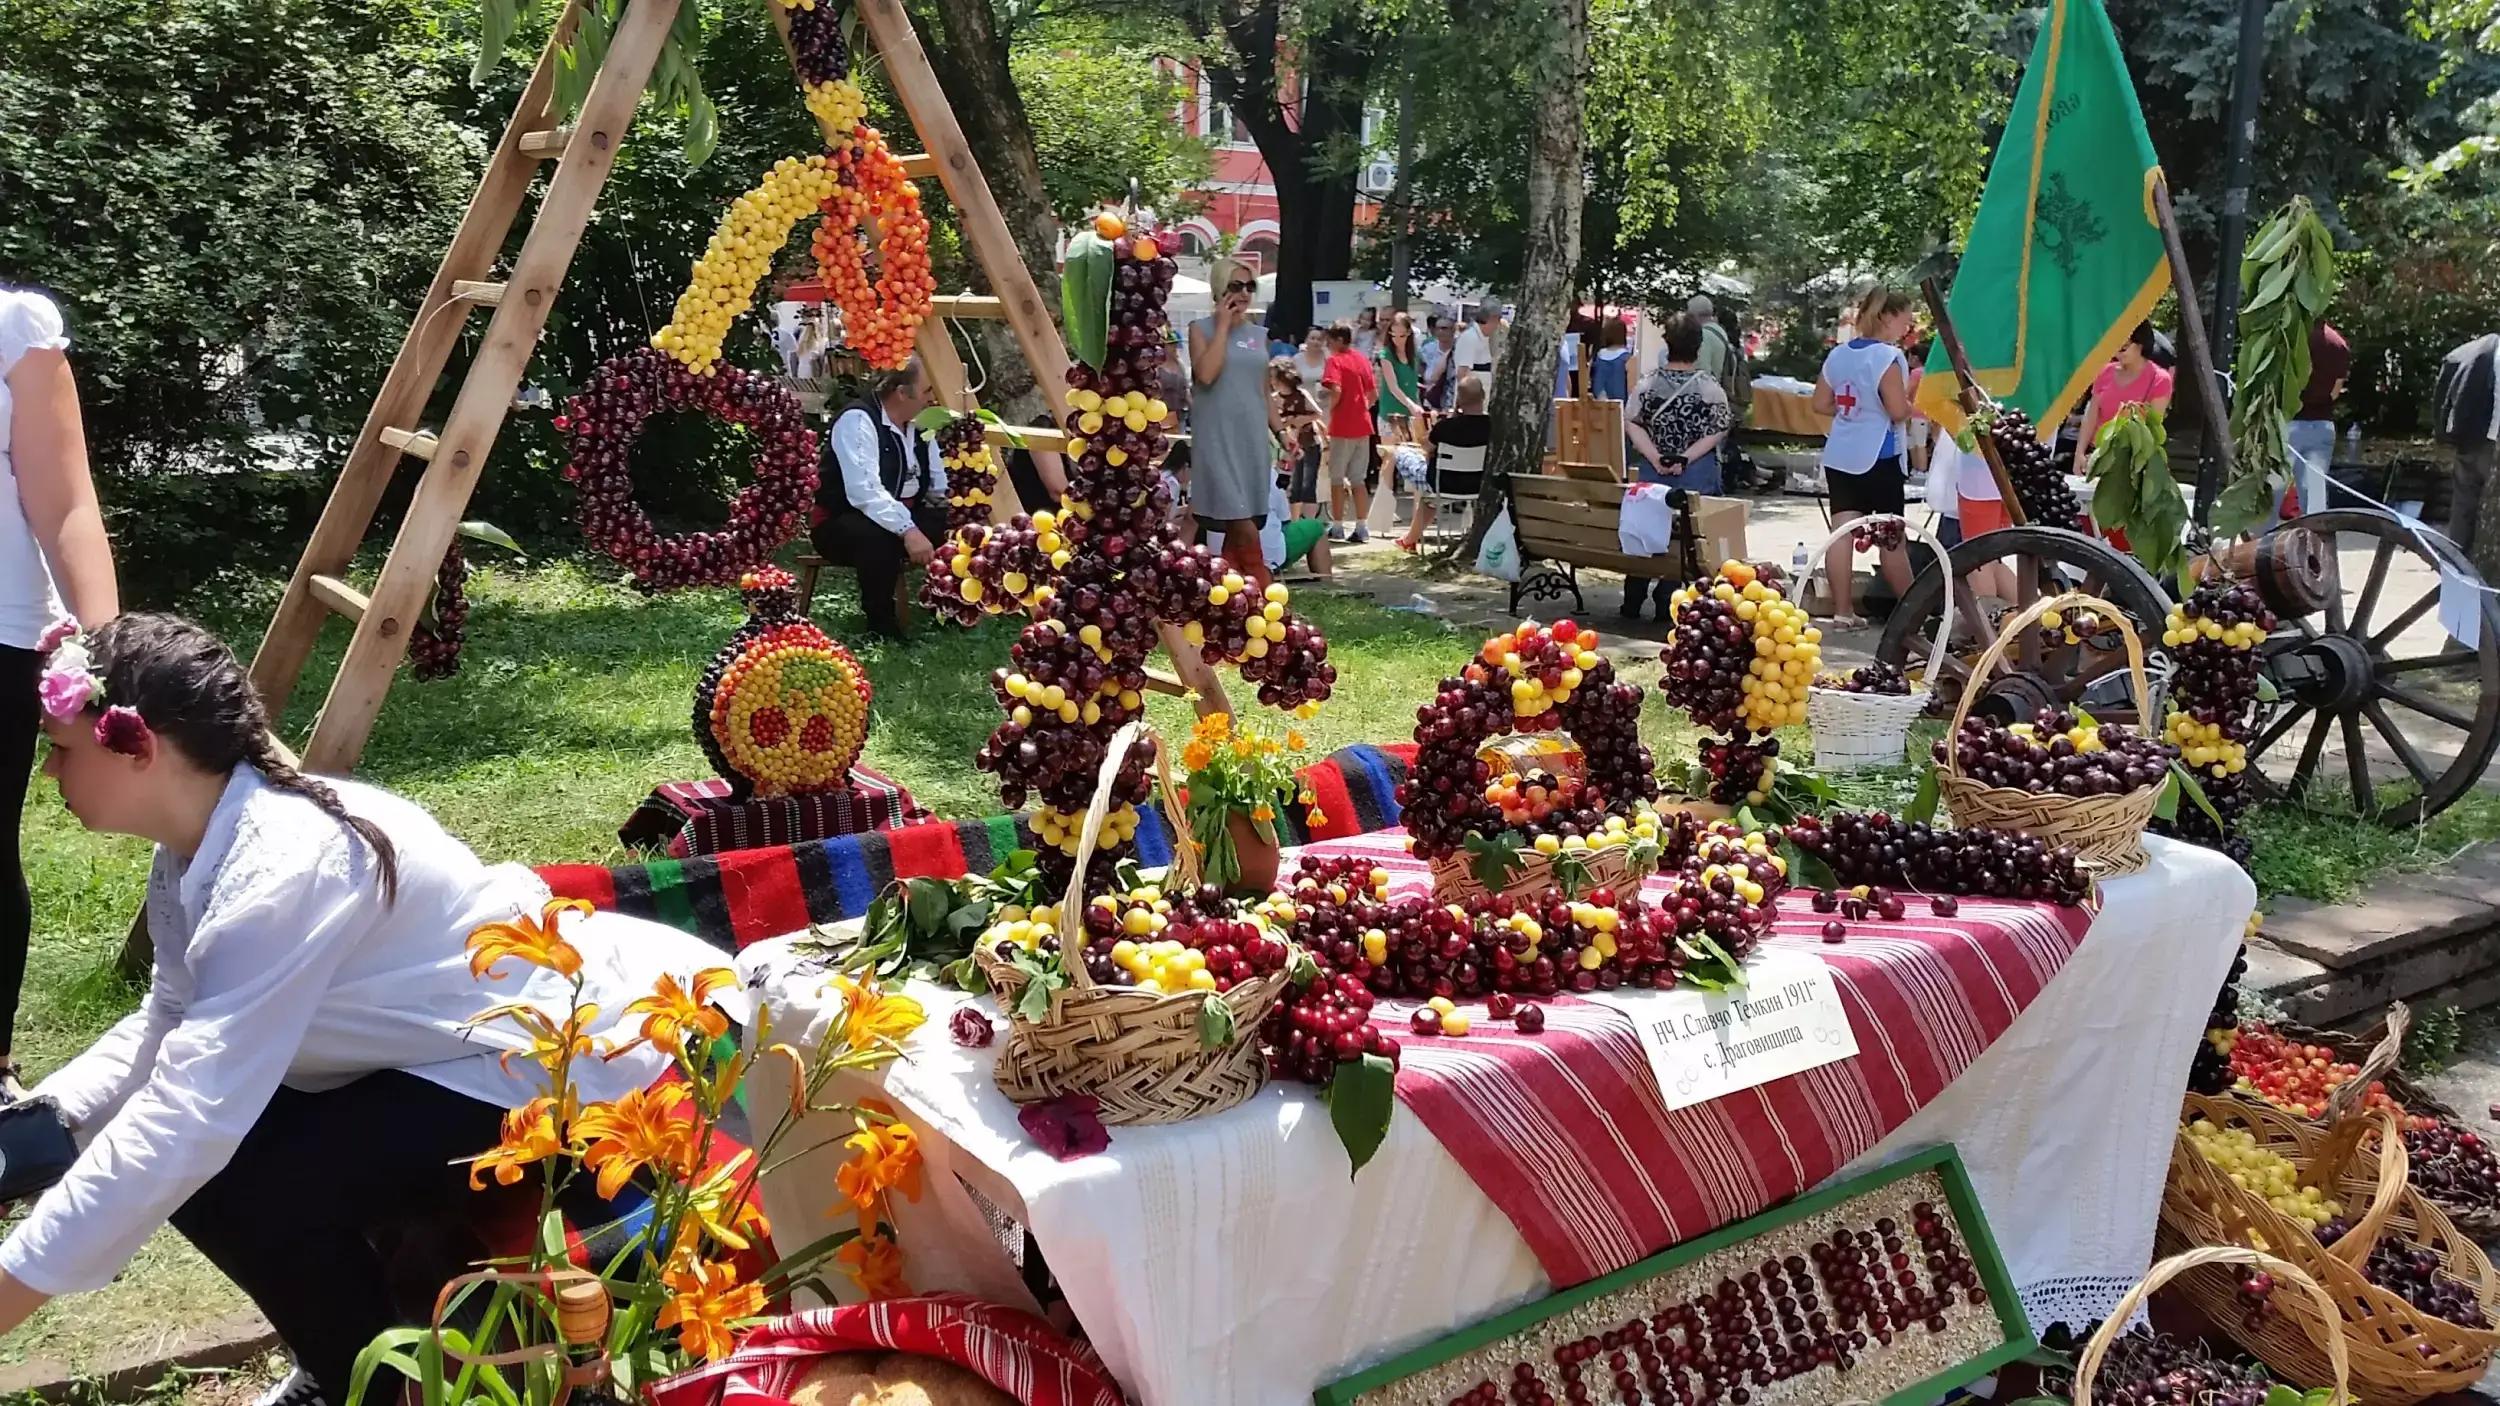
[(1314, 204), (2474, 508), (969, 56), (1523, 378)]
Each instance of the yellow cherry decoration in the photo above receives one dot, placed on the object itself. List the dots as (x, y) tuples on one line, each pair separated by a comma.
[(740, 252), (790, 713)]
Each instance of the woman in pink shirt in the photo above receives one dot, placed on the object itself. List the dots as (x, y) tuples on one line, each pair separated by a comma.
[(2131, 378)]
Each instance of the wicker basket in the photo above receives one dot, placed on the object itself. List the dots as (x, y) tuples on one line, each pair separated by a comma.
[(2315, 1297), (1454, 879), (2107, 832), (1137, 1052), (2480, 1222), (2397, 1353), (1854, 730)]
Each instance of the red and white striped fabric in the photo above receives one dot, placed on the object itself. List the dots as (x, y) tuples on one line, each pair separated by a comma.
[(1568, 1133), (1012, 1350)]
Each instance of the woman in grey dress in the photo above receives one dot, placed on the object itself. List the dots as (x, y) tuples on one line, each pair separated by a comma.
[(1233, 459)]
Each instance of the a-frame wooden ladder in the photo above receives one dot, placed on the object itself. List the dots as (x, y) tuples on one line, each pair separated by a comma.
[(583, 151)]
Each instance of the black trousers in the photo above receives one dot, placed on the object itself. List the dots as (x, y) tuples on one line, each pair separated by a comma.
[(21, 722), (851, 538), (341, 1214)]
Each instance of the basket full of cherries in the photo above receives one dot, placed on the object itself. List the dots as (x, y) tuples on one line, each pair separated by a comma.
[(1863, 718)]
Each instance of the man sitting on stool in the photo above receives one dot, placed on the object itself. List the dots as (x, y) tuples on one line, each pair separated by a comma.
[(882, 501)]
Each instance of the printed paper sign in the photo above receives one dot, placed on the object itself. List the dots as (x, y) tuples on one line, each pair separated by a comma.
[(2460, 608), (1704, 1045)]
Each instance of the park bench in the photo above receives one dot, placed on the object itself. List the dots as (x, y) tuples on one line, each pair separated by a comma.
[(1565, 522)]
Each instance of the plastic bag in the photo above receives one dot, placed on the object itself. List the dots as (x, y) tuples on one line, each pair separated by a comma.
[(1499, 556)]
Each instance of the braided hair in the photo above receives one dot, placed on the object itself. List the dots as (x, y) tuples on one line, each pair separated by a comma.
[(193, 693)]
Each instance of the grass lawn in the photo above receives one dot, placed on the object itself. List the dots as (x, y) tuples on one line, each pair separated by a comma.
[(574, 701)]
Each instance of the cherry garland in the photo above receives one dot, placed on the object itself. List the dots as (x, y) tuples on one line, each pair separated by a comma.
[(1740, 658), (434, 646), (880, 318), (600, 425), (1097, 576), (971, 472)]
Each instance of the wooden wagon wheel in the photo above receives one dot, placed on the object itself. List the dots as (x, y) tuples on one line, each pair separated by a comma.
[(2375, 701), (2044, 561)]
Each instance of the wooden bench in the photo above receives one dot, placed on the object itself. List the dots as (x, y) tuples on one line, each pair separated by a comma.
[(1565, 523), (811, 566)]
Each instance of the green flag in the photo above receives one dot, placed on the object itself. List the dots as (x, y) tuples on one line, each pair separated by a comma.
[(2065, 257)]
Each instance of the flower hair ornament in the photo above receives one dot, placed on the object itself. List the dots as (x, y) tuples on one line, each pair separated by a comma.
[(71, 685)]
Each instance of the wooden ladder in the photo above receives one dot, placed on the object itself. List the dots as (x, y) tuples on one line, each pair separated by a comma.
[(583, 151)]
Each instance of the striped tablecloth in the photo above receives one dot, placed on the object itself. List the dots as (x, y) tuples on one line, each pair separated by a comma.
[(1568, 1134)]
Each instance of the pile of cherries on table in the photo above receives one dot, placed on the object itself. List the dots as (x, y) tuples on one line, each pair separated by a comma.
[(1769, 1324)]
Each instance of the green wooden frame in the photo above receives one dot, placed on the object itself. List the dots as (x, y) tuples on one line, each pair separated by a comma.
[(1967, 1215)]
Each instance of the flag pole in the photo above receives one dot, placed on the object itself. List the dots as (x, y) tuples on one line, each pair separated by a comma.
[(1972, 399), (2215, 467)]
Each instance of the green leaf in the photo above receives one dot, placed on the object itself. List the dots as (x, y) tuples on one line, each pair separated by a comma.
[(1571, 874), (1085, 297), (702, 128), (965, 974), (479, 530), (2242, 506), (1033, 1004), (1494, 862), (1215, 1023), (2185, 778), (1361, 1099), (2266, 691), (2166, 805), (933, 419), (930, 900), (2114, 493), (1922, 809)]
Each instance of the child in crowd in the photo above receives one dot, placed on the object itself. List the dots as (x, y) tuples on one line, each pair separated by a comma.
[(1294, 418), (304, 1070)]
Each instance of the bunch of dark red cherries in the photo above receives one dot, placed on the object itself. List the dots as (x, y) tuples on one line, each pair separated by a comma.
[(1877, 849), (434, 645)]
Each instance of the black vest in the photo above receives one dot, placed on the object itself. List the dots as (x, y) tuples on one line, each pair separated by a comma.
[(895, 453)]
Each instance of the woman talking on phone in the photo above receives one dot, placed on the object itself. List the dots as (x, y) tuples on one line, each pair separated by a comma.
[(1233, 459)]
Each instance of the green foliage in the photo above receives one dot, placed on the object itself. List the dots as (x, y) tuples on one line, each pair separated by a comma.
[(233, 251), (2287, 278), (2420, 291), (2135, 493), (676, 78), (1101, 111), (2432, 1041)]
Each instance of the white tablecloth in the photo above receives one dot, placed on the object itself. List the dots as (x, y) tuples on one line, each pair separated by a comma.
[(1230, 1259)]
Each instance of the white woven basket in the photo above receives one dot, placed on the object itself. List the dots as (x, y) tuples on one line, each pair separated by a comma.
[(1857, 730)]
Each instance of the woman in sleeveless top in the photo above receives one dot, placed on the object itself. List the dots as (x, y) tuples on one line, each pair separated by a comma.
[(1865, 387), (52, 549), (1232, 460)]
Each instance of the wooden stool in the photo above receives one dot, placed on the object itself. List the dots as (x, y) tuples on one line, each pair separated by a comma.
[(810, 566)]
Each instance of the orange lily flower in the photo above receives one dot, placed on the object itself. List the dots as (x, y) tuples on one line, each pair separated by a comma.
[(551, 1045), (531, 1133), (712, 1210), (885, 1156), (672, 1018), (705, 1300), (536, 943), (875, 1264), (636, 1131), (871, 1015)]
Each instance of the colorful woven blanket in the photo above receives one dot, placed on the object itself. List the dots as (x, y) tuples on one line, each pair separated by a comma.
[(746, 896), (699, 817)]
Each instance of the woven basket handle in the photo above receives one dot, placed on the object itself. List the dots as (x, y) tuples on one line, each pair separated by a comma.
[(1184, 865), (2381, 1059), (1944, 559), (2013, 628), (2350, 1122), (2089, 1365)]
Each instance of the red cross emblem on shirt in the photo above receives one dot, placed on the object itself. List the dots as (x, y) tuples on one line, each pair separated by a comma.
[(1847, 399)]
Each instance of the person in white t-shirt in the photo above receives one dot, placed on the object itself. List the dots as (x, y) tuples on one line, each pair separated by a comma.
[(1475, 350), (306, 1068), (1865, 387), (55, 561)]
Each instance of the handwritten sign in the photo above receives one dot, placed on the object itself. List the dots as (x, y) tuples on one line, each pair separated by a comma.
[(1704, 1045)]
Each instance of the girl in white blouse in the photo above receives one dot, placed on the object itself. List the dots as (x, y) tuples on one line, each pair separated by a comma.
[(302, 1073)]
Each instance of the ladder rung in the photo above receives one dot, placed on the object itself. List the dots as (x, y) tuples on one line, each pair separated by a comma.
[(484, 294), (1157, 681), (919, 166), (548, 143), (420, 443), (969, 305), (339, 596)]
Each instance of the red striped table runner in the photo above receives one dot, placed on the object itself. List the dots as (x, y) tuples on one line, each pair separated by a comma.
[(1568, 1134)]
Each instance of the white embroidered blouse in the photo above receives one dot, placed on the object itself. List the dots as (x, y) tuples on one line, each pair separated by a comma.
[(277, 962)]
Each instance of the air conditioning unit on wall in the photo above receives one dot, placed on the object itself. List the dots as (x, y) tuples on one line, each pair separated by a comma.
[(1380, 177)]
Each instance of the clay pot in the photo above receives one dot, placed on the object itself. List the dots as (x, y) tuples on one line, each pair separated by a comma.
[(1258, 857)]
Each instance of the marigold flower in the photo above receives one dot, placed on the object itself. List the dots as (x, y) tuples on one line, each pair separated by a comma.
[(636, 1131), (1294, 740), (1262, 812), (671, 1015), (875, 1264), (531, 1133), (705, 1300), (536, 943), (1316, 818), (871, 1015), (885, 1156), (1196, 754)]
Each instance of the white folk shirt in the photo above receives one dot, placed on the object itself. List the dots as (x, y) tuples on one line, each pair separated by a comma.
[(1475, 353), (855, 449), (277, 962)]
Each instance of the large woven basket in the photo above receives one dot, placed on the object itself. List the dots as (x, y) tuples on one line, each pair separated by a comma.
[(2107, 832), (2397, 1353), (2313, 1296), (2480, 1222), (1139, 1053), (1854, 730)]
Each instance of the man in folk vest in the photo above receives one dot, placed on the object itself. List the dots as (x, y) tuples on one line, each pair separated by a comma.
[(881, 502)]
